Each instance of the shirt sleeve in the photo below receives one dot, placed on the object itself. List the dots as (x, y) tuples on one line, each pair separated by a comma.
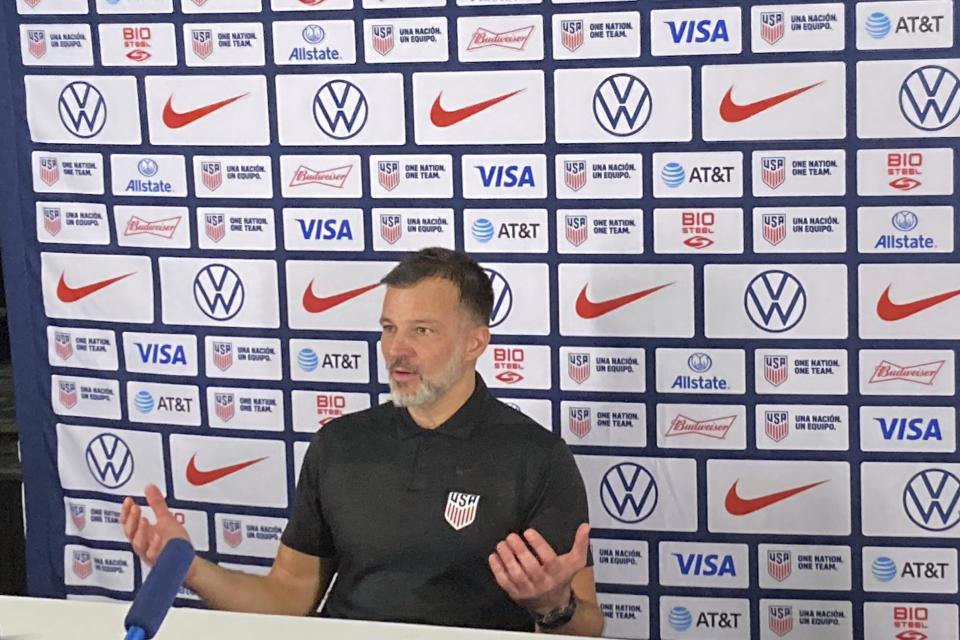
[(307, 530), (561, 506)]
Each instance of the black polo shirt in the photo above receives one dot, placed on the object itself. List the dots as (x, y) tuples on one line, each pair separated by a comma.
[(377, 495)]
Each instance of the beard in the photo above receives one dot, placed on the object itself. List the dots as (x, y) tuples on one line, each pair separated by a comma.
[(429, 390)]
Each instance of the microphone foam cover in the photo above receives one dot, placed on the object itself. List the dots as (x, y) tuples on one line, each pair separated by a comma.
[(159, 590)]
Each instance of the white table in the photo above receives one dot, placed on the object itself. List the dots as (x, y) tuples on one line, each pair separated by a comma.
[(48, 619)]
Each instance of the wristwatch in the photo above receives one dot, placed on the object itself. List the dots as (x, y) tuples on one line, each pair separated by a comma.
[(557, 617)]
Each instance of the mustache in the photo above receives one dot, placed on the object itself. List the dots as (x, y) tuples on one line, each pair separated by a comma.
[(401, 363)]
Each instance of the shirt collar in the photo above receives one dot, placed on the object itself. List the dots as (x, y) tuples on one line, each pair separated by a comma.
[(459, 425)]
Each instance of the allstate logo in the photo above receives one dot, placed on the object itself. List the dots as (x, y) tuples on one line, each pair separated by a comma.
[(884, 569), (931, 499), (308, 360), (878, 25), (628, 492), (313, 34), (482, 230), (148, 167), (680, 618), (700, 362), (673, 175), (109, 460), (905, 220), (143, 401), (502, 298)]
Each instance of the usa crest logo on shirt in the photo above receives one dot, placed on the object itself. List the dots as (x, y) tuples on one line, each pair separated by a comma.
[(461, 509)]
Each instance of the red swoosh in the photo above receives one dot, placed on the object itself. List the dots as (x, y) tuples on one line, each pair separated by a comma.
[(314, 304), (891, 311), (443, 118), (69, 294), (587, 309), (737, 506), (732, 112), (199, 478), (175, 120)]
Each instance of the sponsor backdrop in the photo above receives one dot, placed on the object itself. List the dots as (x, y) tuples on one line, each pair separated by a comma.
[(721, 238)]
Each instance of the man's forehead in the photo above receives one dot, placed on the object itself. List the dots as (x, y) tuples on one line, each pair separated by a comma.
[(429, 296)]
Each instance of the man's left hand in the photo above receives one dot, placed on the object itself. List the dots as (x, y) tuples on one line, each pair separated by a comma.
[(532, 573)]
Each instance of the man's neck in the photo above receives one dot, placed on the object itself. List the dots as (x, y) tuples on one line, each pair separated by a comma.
[(443, 408)]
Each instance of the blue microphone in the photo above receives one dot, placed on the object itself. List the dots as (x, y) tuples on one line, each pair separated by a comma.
[(159, 590)]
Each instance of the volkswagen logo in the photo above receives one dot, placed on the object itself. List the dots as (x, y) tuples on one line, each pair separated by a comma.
[(109, 460), (148, 167), (340, 109), (502, 298), (622, 104), (628, 492), (775, 301), (905, 220), (218, 292), (928, 97), (931, 499), (83, 111), (700, 362)]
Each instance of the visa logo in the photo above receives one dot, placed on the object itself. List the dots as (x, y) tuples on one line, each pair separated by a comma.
[(698, 31), (161, 353), (909, 429), (700, 564), (506, 176), (314, 229)]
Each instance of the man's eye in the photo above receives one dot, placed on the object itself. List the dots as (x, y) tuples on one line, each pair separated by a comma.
[(423, 331), (387, 328)]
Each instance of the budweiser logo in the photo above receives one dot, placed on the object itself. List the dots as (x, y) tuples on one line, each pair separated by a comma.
[(161, 228), (329, 177), (515, 39), (712, 428), (919, 373)]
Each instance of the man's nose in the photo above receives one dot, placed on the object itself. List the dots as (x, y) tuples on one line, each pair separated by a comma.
[(397, 346)]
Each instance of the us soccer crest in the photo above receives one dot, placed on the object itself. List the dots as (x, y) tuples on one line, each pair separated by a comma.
[(211, 175), (232, 532), (37, 42), (774, 227), (781, 619), (391, 228), (202, 42), (382, 35), (778, 564), (222, 355), (49, 170), (775, 369), (571, 34), (82, 564), (215, 226), (68, 394), (575, 174), (579, 421), (773, 170), (78, 515), (461, 509), (576, 230), (578, 366), (388, 174), (777, 425), (62, 344), (223, 406), (51, 220), (32, 3), (771, 26)]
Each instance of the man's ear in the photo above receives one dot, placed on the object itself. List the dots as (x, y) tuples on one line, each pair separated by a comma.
[(477, 341)]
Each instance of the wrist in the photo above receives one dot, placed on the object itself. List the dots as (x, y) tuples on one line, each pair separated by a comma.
[(552, 617)]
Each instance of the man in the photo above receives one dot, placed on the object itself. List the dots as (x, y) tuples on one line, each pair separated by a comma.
[(442, 507)]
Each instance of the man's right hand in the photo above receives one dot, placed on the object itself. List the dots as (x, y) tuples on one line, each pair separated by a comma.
[(148, 540)]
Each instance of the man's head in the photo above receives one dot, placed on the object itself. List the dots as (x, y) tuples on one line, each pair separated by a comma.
[(435, 319)]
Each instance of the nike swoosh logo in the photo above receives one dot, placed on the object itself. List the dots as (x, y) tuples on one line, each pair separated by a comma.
[(443, 118), (587, 309), (737, 506), (199, 478), (176, 120), (733, 112), (891, 311), (70, 294), (315, 304)]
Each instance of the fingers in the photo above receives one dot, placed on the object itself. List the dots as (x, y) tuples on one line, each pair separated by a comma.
[(540, 546), (153, 550), (581, 545), (514, 570), (500, 574), (141, 539), (130, 517), (529, 562), (156, 502)]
